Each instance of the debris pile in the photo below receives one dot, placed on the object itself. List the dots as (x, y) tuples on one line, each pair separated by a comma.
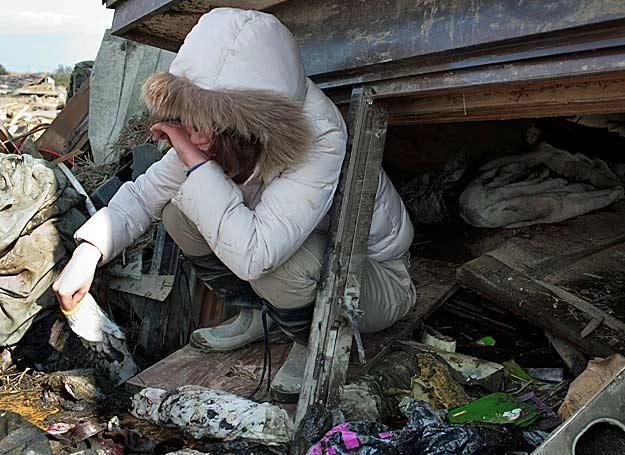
[(515, 344), (27, 102)]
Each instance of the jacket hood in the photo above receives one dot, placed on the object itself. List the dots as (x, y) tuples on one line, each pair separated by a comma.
[(238, 71)]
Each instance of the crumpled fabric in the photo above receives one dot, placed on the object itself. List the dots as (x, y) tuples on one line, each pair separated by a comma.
[(35, 214), (105, 338), (427, 195), (208, 413), (546, 185)]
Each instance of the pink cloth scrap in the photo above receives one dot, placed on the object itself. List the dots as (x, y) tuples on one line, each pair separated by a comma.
[(350, 439)]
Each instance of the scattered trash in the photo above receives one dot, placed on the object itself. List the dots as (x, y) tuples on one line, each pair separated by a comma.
[(79, 384), (425, 433), (518, 372), (498, 408), (434, 384), (486, 341), (548, 419), (28, 102), (546, 374), (471, 370), (434, 338), (204, 413), (597, 374)]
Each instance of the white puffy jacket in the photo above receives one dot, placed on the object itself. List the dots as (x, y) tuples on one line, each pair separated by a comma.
[(246, 58)]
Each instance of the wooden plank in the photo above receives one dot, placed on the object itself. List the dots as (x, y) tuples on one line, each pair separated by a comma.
[(131, 13), (61, 133), (331, 334), (235, 371), (568, 278), (502, 54), (559, 97), (156, 287), (516, 292), (556, 67), (574, 360)]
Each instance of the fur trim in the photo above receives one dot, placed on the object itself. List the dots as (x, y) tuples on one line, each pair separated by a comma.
[(278, 123)]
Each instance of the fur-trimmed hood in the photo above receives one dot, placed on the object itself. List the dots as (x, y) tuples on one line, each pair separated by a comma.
[(239, 71)]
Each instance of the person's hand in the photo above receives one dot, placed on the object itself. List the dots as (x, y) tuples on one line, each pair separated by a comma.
[(76, 278), (181, 140)]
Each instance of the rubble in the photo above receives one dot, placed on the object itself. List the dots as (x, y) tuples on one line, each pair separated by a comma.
[(28, 101), (481, 371)]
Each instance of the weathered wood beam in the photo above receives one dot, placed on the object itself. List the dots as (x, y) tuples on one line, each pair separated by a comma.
[(584, 64), (331, 333), (538, 304), (583, 94)]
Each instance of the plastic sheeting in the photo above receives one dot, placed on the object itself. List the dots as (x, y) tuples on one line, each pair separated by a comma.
[(426, 433)]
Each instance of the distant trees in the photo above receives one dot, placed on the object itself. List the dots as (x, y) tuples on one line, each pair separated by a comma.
[(62, 74), (3, 70)]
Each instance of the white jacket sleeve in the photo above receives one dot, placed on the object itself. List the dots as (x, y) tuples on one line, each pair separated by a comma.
[(254, 242), (133, 207)]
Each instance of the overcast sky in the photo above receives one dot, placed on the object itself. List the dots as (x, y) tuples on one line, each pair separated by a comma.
[(38, 35)]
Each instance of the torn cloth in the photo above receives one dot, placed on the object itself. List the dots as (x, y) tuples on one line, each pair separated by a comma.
[(546, 185), (208, 413), (35, 203)]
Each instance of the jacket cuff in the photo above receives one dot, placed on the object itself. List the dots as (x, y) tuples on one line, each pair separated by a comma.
[(98, 231)]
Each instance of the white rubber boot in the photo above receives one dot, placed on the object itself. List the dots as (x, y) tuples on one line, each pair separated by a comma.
[(287, 384), (243, 329)]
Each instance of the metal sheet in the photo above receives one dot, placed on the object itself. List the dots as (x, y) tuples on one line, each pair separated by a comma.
[(607, 406), (156, 287)]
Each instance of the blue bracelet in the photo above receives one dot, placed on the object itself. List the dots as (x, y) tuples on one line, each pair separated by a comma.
[(195, 166)]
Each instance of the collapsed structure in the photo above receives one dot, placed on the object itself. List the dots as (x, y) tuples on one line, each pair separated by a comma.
[(503, 127)]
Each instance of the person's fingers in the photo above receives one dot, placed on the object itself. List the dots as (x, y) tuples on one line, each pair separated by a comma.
[(79, 295), (65, 298)]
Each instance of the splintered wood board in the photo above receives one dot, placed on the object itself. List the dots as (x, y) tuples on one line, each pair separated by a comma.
[(235, 371), (568, 278)]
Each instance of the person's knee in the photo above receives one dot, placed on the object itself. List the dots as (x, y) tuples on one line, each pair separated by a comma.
[(184, 233), (171, 218), (294, 283)]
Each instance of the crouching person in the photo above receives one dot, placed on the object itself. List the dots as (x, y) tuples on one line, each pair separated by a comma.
[(245, 190)]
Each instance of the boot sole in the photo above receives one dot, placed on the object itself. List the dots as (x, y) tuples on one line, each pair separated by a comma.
[(284, 397), (207, 350)]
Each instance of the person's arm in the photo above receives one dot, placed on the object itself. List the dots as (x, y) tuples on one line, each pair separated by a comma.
[(254, 242), (132, 209), (113, 228)]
